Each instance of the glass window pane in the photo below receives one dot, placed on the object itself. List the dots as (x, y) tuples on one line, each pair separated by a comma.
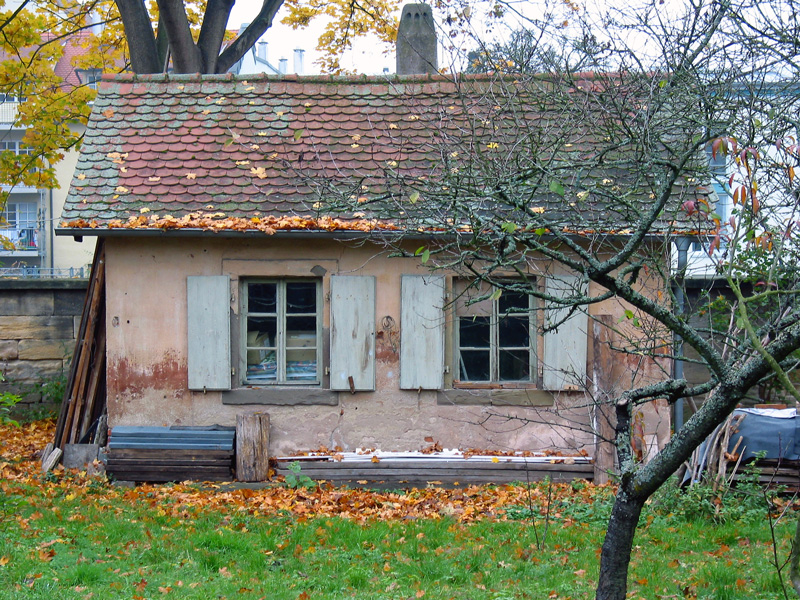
[(474, 365), (263, 367), (262, 332), (262, 297), (474, 332), (466, 296), (301, 327), (301, 365), (514, 332), (513, 302), (301, 297), (514, 365)]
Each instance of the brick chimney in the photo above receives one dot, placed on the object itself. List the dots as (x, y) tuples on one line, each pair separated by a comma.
[(416, 41)]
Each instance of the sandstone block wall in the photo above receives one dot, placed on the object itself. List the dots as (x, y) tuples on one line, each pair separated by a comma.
[(39, 321)]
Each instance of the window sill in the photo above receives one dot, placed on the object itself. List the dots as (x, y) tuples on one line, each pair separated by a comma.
[(281, 396), (495, 396)]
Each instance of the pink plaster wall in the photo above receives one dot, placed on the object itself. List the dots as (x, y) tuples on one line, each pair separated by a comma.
[(147, 356)]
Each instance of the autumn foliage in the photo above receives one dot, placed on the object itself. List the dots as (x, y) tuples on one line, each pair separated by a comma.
[(20, 450)]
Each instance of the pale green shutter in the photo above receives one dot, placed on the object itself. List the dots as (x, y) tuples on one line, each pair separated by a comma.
[(422, 332), (209, 328), (352, 332), (565, 348)]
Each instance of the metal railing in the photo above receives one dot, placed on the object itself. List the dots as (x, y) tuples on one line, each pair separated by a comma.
[(44, 273)]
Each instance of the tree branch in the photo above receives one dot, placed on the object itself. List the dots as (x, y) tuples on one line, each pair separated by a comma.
[(249, 36)]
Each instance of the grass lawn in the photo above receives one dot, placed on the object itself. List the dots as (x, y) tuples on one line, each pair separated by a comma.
[(72, 537)]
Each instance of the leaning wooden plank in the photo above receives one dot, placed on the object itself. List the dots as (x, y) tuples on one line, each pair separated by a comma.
[(89, 340), (68, 401)]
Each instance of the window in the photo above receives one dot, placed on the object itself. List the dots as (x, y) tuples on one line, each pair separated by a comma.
[(15, 147), (282, 331), (495, 335)]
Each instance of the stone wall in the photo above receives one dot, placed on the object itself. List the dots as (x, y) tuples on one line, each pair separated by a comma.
[(39, 320)]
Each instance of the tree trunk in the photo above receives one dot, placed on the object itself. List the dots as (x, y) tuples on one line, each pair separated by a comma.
[(139, 33), (617, 546)]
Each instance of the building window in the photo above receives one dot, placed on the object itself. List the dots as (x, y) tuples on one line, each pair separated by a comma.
[(495, 335), (282, 328), (16, 147), (19, 224)]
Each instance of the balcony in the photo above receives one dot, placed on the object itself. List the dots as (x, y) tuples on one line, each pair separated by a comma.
[(8, 112), (25, 241)]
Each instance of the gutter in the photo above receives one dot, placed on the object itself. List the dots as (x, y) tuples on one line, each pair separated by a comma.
[(682, 244), (80, 232)]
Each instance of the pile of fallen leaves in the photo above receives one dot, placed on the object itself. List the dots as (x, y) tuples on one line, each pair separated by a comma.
[(20, 464), (222, 222)]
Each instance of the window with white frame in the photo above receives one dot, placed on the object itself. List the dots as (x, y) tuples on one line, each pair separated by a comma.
[(16, 147), (281, 331), (495, 335)]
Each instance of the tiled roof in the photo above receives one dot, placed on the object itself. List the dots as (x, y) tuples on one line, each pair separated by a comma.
[(263, 146)]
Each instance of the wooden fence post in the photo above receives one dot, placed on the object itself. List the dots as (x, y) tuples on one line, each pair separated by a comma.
[(252, 447)]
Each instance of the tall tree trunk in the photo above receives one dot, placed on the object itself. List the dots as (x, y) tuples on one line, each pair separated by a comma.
[(139, 33), (617, 546)]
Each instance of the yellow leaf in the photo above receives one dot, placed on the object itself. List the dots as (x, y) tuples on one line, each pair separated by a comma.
[(81, 176), (154, 179), (4, 560), (392, 126), (495, 459), (191, 176), (108, 113), (144, 210), (259, 172)]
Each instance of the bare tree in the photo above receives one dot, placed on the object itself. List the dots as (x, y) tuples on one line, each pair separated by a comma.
[(602, 175)]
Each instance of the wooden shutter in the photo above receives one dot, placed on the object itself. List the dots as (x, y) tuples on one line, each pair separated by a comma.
[(352, 332), (422, 332), (209, 327), (565, 348)]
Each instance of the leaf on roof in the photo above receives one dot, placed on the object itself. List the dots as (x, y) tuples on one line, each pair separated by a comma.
[(153, 179), (81, 176), (108, 113), (259, 172), (298, 133), (191, 176), (121, 189), (242, 162)]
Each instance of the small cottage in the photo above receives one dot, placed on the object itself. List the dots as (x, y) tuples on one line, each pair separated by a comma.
[(232, 285)]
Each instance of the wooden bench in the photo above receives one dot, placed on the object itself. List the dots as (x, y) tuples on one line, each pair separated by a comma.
[(161, 454)]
